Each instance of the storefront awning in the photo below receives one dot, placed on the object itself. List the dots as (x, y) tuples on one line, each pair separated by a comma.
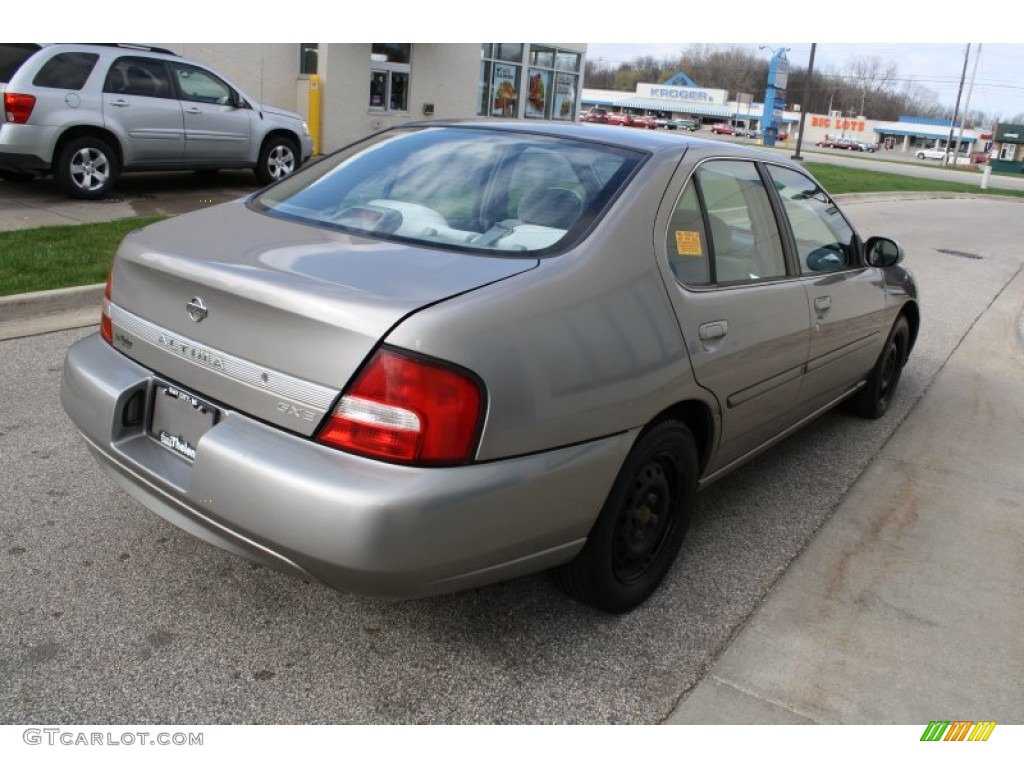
[(922, 130), (672, 105)]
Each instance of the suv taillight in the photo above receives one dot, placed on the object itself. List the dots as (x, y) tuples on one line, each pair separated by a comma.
[(408, 410), (106, 328), (18, 107)]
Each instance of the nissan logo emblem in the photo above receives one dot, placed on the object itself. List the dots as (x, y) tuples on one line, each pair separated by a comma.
[(196, 309)]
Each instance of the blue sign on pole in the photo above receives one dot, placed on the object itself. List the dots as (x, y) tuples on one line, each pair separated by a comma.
[(775, 96)]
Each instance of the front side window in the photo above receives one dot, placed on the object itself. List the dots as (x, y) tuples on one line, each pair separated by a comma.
[(389, 76), (465, 189), (130, 76), (196, 84), (68, 71), (824, 239)]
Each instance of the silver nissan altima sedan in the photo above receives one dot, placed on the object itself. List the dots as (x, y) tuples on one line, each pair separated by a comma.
[(455, 353)]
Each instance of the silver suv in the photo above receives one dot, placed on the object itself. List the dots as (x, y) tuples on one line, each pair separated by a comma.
[(86, 113)]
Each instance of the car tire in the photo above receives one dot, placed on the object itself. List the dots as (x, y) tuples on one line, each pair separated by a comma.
[(920, 155), (874, 399), (86, 168), (641, 525), (279, 157)]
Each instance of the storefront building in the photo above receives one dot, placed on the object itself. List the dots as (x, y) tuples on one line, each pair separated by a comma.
[(349, 90), (1008, 149), (711, 105)]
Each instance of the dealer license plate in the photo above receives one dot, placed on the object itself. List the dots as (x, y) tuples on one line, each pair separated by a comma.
[(180, 419)]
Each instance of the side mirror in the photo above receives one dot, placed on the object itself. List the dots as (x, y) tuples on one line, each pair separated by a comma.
[(883, 252)]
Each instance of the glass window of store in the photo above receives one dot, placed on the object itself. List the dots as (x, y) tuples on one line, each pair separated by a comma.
[(308, 58), (389, 76), (551, 82)]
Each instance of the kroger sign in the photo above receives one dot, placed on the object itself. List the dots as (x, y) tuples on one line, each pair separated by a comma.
[(682, 93)]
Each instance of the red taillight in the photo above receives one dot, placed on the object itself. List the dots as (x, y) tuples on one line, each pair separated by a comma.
[(106, 329), (18, 107), (408, 410)]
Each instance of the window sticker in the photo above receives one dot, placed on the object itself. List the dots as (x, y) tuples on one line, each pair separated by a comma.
[(688, 243)]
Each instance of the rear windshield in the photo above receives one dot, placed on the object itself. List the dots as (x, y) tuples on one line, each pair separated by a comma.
[(464, 188), (12, 56)]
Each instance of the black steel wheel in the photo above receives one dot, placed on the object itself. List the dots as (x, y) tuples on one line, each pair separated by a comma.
[(641, 526), (874, 399)]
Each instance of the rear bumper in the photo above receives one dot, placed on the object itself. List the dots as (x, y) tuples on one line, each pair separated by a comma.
[(352, 523), (27, 147)]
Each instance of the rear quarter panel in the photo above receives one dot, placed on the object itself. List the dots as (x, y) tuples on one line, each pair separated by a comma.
[(585, 345)]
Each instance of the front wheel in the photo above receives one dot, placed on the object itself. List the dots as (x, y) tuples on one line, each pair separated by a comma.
[(86, 168), (641, 526), (875, 398), (279, 157)]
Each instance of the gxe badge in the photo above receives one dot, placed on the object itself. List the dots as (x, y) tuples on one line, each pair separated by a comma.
[(196, 309)]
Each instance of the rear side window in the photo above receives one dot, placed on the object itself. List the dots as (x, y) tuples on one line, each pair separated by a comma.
[(67, 71), (737, 239), (12, 56), (139, 77)]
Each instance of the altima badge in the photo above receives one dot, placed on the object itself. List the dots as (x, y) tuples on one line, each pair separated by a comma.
[(196, 309)]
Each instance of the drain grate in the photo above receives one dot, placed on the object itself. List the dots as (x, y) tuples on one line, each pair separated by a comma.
[(961, 254)]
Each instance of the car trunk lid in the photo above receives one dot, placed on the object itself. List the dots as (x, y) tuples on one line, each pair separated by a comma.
[(272, 317)]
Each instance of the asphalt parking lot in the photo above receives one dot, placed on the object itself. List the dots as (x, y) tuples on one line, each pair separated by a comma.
[(113, 616)]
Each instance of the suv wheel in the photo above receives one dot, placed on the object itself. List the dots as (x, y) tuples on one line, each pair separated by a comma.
[(86, 168), (279, 157)]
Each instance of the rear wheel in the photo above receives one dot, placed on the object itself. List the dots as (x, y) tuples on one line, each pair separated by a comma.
[(875, 398), (641, 526), (86, 168)]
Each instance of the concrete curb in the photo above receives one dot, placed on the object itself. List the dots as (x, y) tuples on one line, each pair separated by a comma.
[(24, 305)]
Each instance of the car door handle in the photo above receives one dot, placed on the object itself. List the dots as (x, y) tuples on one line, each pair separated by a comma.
[(194, 111), (712, 331), (823, 303), (120, 103)]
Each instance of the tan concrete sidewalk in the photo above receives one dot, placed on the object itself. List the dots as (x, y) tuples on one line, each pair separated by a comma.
[(908, 605)]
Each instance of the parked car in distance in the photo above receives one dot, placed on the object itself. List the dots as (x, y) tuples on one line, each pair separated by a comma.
[(934, 153), (456, 353), (620, 118), (87, 113), (596, 115), (724, 129), (682, 124)]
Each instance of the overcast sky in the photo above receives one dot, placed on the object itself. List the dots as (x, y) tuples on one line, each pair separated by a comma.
[(998, 87), (924, 41)]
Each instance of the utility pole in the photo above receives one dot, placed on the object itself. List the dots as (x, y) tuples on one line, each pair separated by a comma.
[(956, 109), (807, 101), (967, 103)]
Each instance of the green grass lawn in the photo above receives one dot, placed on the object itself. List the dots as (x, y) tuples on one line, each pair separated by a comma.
[(60, 257), (840, 180)]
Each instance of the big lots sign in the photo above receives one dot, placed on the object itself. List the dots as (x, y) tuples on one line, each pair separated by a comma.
[(839, 123)]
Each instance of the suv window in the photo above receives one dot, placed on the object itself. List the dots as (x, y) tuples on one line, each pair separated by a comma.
[(824, 239), (68, 71), (131, 76), (12, 56), (195, 84)]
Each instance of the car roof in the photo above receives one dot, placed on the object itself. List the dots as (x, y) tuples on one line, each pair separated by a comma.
[(655, 142)]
